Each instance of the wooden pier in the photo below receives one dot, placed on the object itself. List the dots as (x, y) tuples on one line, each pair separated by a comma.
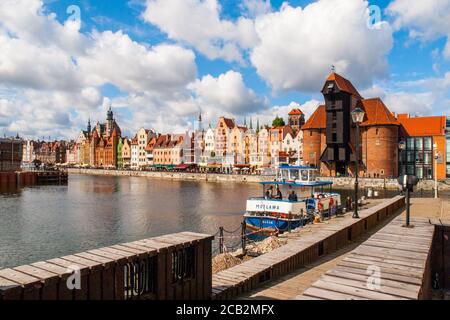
[(303, 248), (393, 264)]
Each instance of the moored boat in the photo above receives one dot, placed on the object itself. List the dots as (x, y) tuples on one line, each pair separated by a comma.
[(273, 213)]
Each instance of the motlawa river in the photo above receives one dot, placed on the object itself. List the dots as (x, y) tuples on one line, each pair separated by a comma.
[(44, 222)]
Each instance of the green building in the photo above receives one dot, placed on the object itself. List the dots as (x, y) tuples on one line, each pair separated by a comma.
[(119, 154)]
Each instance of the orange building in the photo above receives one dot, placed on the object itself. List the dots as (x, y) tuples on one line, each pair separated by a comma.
[(329, 137), (425, 142), (105, 149)]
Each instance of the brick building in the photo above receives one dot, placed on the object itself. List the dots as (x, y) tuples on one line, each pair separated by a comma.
[(296, 119), (329, 136), (51, 153), (10, 153)]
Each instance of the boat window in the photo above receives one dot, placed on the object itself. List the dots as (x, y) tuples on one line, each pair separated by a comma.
[(285, 174), (294, 175), (312, 175), (304, 174)]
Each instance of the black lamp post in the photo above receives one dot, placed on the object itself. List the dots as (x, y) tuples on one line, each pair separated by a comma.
[(357, 117)]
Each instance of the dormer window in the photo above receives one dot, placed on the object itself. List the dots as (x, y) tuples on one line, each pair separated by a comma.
[(330, 87)]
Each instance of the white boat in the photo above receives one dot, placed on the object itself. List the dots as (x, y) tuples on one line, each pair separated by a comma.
[(274, 215)]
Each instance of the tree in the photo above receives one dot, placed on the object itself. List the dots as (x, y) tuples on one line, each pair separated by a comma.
[(278, 122)]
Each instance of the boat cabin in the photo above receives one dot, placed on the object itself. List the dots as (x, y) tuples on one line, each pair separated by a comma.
[(297, 174)]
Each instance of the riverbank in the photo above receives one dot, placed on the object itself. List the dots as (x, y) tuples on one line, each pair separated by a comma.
[(340, 183), (187, 176)]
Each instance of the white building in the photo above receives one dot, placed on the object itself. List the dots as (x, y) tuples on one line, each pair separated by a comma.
[(134, 161), (143, 137), (263, 148), (209, 151)]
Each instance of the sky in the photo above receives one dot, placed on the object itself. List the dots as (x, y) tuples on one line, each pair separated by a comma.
[(159, 63)]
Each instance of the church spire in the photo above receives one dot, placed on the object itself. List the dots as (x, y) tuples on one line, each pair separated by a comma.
[(200, 126), (89, 125), (110, 114)]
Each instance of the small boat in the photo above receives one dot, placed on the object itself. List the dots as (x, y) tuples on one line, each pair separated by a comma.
[(267, 215)]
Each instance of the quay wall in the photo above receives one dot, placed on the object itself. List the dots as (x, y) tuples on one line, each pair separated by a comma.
[(344, 183), (31, 178), (212, 177)]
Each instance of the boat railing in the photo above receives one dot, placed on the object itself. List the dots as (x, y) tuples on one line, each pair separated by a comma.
[(276, 200)]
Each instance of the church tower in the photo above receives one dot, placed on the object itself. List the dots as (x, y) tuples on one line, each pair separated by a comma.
[(109, 121), (89, 128)]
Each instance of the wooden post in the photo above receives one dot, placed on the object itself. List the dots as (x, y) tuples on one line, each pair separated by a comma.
[(221, 243), (244, 238)]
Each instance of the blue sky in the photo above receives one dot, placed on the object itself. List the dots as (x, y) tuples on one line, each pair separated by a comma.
[(405, 62)]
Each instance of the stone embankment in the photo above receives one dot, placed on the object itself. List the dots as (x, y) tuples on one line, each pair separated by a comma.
[(340, 183), (213, 177)]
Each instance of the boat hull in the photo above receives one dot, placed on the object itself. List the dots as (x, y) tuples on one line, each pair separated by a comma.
[(271, 225)]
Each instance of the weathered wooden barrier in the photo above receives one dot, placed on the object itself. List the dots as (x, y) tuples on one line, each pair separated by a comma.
[(393, 264), (299, 252), (8, 179), (31, 178), (51, 177), (440, 259), (176, 266)]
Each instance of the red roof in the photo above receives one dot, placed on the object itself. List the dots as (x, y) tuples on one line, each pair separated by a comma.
[(318, 119), (344, 84), (229, 123), (377, 113), (422, 126), (295, 112)]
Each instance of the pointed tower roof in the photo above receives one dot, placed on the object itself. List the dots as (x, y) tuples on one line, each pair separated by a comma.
[(344, 84)]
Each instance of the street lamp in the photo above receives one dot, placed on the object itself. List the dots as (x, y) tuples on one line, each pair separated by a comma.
[(435, 156), (401, 148), (357, 117)]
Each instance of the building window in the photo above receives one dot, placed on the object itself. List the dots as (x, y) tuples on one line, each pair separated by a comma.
[(410, 144), (428, 144), (419, 144)]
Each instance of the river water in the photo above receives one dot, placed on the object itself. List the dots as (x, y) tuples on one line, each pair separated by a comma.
[(44, 222)]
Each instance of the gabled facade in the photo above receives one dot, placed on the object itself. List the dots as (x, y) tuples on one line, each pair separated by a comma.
[(263, 147), (126, 153), (237, 144), (222, 136), (134, 160)]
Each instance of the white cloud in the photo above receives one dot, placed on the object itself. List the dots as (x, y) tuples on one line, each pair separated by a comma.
[(198, 24), (115, 58), (427, 96), (298, 45), (54, 73), (226, 94), (426, 20)]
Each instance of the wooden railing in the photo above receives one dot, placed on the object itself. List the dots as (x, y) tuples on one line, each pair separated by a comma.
[(176, 266)]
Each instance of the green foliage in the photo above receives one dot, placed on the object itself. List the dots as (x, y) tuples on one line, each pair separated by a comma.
[(278, 122)]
